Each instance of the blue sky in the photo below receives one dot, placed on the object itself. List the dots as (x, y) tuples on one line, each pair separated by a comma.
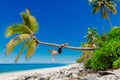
[(59, 21)]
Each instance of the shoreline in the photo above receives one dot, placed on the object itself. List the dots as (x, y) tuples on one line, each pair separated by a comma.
[(33, 68), (69, 72), (17, 74)]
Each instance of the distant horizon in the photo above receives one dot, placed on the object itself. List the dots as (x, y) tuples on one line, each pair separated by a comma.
[(59, 22), (41, 63)]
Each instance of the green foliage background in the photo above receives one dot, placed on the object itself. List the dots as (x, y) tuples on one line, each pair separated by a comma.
[(108, 55)]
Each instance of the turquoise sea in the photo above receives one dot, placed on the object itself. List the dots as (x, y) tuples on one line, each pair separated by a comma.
[(4, 68)]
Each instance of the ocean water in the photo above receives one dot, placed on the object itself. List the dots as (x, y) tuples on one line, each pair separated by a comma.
[(4, 68)]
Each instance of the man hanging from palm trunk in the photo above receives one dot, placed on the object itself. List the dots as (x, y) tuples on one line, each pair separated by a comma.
[(54, 51)]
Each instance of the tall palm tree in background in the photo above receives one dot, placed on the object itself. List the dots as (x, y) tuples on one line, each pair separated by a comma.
[(23, 35), (105, 7), (91, 36)]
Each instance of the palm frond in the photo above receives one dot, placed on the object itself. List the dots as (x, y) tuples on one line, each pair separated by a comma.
[(16, 29), (29, 21), (9, 50), (23, 37), (111, 8), (10, 46), (34, 24), (18, 38), (16, 41), (95, 8), (31, 49), (104, 13), (32, 20), (21, 50)]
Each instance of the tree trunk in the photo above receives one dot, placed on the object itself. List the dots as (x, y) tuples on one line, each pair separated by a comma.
[(102, 26), (57, 45), (109, 22)]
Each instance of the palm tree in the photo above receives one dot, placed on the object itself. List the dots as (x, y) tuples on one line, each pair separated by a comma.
[(23, 35), (91, 36), (105, 7)]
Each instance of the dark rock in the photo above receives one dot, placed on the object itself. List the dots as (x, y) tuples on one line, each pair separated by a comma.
[(102, 73), (69, 75), (77, 79), (42, 79), (27, 77), (90, 71)]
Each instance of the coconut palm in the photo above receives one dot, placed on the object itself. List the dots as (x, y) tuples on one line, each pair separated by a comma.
[(23, 35), (91, 36), (105, 7)]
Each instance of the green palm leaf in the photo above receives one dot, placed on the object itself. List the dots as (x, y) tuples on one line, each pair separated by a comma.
[(21, 50), (9, 50), (31, 49), (16, 41), (16, 29), (29, 21), (104, 13), (23, 37), (91, 36), (95, 8), (32, 21), (11, 45), (111, 7)]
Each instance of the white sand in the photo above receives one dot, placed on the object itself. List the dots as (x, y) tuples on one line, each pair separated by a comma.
[(14, 75)]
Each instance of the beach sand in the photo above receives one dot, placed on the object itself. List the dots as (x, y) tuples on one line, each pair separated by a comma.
[(68, 72), (15, 75)]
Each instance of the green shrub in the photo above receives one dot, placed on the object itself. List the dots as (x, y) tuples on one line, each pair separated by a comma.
[(114, 33), (116, 63), (87, 63), (107, 55), (98, 64)]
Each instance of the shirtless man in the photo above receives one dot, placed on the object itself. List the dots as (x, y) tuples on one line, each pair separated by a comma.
[(54, 51)]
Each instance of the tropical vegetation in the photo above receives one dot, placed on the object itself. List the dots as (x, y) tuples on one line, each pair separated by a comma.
[(108, 55), (91, 38)]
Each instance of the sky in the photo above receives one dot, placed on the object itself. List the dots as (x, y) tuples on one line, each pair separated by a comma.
[(59, 21)]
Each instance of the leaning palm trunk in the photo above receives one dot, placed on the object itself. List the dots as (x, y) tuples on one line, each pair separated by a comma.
[(68, 47), (109, 21)]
